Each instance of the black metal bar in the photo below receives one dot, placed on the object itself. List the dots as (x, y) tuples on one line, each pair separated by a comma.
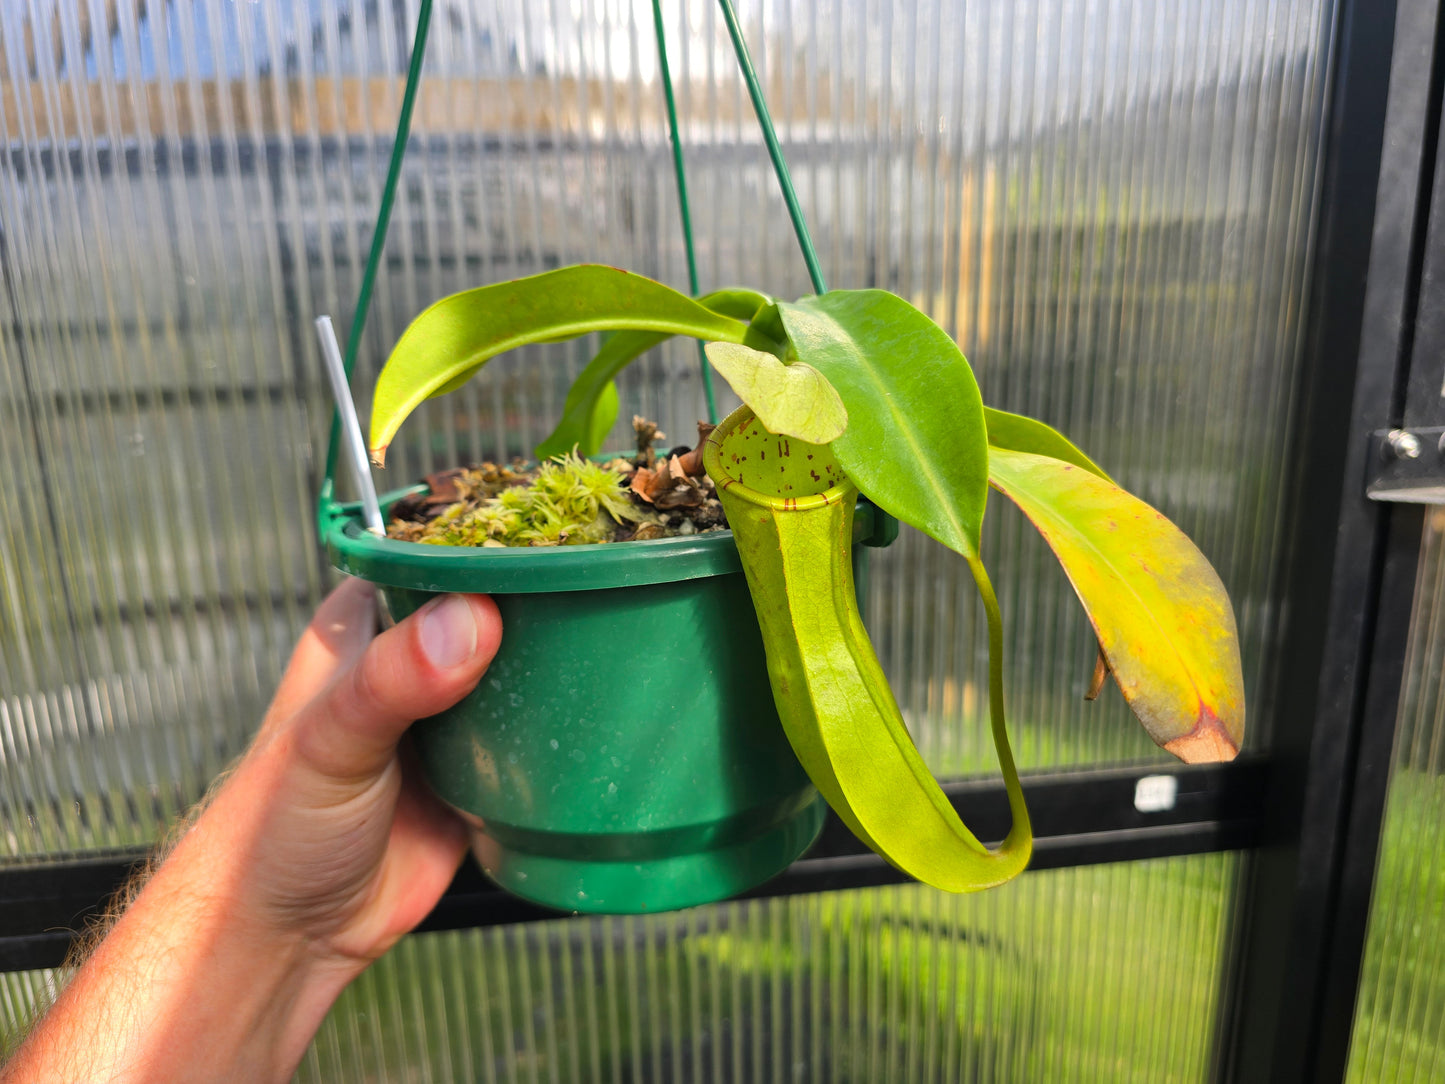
[(1425, 386), (1080, 818), (1344, 949), (1273, 1009), (84, 401), (189, 156), (45, 907)]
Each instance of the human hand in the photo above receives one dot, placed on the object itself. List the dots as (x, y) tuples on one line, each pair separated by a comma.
[(349, 848), (318, 852)]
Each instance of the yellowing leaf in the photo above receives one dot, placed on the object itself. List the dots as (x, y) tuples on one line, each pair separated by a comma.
[(1161, 614), (1019, 433)]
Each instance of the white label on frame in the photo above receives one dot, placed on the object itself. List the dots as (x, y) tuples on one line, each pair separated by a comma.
[(1155, 793)]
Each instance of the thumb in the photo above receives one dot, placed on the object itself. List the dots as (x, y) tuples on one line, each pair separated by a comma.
[(422, 666)]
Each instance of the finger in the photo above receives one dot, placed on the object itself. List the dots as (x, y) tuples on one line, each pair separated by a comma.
[(422, 666), (337, 635), (426, 846), (423, 852)]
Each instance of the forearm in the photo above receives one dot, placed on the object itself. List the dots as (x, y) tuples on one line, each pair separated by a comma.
[(191, 984), (316, 855)]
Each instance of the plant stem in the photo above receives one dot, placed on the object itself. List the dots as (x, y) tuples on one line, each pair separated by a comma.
[(682, 202), (383, 220), (780, 166), (1021, 832)]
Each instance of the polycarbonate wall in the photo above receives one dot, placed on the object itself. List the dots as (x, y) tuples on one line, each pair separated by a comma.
[(1399, 1033), (1109, 204)]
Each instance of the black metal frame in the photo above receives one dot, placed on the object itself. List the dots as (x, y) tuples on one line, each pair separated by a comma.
[(1080, 818), (1310, 813), (1421, 385), (1289, 997)]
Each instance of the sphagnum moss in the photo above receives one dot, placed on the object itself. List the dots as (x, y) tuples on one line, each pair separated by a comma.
[(568, 501)]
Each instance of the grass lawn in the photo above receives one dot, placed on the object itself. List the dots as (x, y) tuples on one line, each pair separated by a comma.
[(1400, 1019), (1106, 973), (1100, 974)]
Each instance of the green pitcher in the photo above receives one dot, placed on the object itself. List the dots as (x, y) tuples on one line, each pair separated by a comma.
[(791, 510)]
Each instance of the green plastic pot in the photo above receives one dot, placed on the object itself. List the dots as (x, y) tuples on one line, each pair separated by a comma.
[(622, 753)]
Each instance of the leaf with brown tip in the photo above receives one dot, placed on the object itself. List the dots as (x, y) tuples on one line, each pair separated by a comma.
[(1162, 616)]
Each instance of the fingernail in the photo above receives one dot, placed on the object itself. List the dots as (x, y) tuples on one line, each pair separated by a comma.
[(449, 632)]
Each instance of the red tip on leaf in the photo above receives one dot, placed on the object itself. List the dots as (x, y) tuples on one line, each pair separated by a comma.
[(1207, 743)]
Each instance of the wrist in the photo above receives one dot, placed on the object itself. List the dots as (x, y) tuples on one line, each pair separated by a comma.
[(212, 927), (206, 938), (186, 984), (195, 982)]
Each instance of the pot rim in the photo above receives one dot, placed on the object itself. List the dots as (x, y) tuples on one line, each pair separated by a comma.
[(390, 562)]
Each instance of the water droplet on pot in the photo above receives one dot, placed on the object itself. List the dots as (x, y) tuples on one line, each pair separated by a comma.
[(553, 743)]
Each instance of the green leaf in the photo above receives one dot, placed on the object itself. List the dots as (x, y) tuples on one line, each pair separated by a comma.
[(604, 416), (791, 513), (736, 301), (1161, 614), (1017, 433), (767, 323), (458, 334), (915, 444), (454, 384), (792, 400), (619, 351)]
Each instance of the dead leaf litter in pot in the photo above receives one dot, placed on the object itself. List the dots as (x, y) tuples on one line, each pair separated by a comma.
[(567, 500)]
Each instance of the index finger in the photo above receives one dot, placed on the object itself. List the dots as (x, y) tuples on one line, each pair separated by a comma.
[(339, 631)]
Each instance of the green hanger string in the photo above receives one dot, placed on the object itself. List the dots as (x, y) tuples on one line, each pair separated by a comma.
[(378, 232), (682, 202), (398, 150), (785, 180), (775, 152)]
